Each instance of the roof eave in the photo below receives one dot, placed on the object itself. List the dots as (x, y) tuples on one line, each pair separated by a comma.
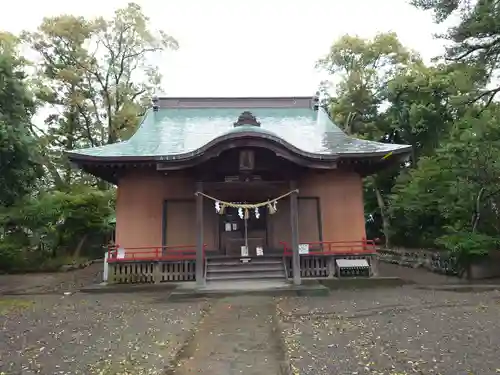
[(173, 158)]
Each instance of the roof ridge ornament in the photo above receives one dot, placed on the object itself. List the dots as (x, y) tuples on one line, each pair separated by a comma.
[(155, 101), (246, 118)]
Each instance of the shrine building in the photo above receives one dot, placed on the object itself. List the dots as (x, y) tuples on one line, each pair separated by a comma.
[(238, 188)]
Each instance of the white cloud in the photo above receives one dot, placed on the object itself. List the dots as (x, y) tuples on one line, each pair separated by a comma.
[(248, 47)]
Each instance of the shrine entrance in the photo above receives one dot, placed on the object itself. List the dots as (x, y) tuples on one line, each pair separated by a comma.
[(243, 237)]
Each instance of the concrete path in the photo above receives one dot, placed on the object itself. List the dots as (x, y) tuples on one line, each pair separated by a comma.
[(236, 337)]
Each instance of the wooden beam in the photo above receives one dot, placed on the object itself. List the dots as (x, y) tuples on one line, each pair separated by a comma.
[(294, 221), (230, 185), (200, 266)]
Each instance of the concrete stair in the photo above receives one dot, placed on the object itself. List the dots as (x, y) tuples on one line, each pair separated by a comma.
[(256, 269)]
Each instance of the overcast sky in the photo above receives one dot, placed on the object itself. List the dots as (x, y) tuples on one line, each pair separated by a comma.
[(248, 47)]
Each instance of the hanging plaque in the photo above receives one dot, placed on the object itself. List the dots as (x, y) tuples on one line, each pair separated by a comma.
[(304, 248), (121, 253)]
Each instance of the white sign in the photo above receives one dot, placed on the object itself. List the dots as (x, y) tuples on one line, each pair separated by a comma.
[(228, 227), (352, 263), (304, 248), (260, 251), (121, 253), (244, 251)]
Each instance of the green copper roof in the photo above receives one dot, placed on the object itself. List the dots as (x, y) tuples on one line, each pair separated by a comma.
[(174, 133)]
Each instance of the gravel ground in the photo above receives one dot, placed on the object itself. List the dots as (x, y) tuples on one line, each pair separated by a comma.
[(390, 331), (105, 334), (394, 331), (51, 282)]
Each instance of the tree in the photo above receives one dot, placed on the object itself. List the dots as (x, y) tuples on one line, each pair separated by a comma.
[(424, 102), (95, 75), (424, 105), (55, 225), (18, 168), (362, 69), (475, 41), (451, 200)]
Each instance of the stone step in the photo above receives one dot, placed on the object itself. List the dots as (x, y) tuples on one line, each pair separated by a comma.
[(244, 268), (246, 276), (237, 262)]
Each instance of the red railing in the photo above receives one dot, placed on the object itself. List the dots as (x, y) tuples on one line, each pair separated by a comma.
[(153, 253), (362, 247)]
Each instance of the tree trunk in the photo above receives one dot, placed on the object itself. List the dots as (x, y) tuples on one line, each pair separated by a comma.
[(477, 214), (79, 247), (383, 214)]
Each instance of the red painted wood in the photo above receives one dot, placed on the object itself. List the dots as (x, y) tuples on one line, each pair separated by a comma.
[(153, 253), (363, 247)]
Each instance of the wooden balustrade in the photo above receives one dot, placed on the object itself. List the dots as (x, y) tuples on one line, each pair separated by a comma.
[(154, 264), (319, 261), (320, 248)]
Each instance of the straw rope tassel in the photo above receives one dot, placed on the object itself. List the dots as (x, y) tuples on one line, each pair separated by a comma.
[(246, 206), (222, 209)]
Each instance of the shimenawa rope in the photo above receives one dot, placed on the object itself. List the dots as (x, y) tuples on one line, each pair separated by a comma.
[(247, 206)]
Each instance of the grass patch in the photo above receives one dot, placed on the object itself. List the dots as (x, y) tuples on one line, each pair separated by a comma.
[(8, 305)]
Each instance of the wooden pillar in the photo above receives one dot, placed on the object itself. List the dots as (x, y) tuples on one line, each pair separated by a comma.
[(200, 266), (294, 221)]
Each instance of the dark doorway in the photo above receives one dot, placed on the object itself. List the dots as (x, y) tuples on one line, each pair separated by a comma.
[(232, 232)]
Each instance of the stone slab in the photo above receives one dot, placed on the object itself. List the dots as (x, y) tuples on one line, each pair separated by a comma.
[(363, 282), (257, 288), (126, 288)]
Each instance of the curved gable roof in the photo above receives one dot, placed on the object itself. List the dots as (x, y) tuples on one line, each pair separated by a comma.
[(174, 133)]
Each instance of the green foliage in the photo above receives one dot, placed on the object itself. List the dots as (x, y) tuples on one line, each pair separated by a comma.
[(413, 205), (468, 246), (54, 224), (362, 68), (453, 195), (474, 41), (18, 170), (424, 103), (93, 77), (446, 196)]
